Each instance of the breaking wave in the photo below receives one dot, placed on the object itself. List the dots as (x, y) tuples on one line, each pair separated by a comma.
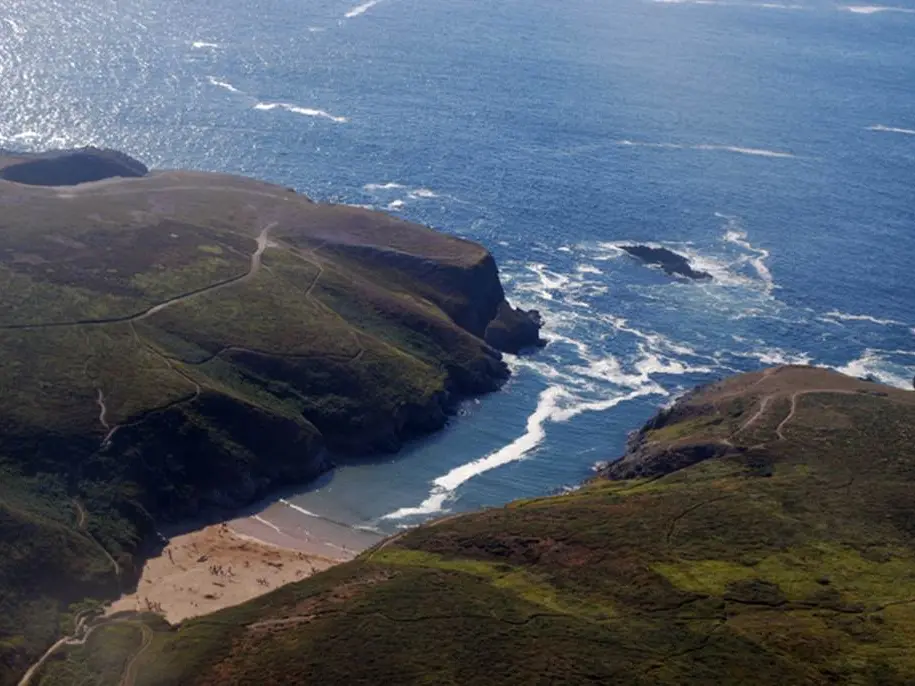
[(555, 404), (222, 84), (755, 152), (844, 317), (361, 9), (875, 365), (295, 109), (891, 129), (876, 9)]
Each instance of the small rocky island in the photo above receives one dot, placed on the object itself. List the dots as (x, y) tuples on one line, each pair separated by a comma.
[(671, 262)]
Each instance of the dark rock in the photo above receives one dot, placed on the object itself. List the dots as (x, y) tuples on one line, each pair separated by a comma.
[(513, 330), (68, 167), (672, 263)]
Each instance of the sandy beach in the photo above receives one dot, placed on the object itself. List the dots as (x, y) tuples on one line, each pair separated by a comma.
[(224, 565)]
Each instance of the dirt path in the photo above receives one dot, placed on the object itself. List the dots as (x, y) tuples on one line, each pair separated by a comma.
[(756, 417), (82, 523), (103, 410), (779, 431), (256, 260), (130, 673), (78, 637)]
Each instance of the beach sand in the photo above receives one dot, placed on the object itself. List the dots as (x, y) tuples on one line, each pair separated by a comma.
[(223, 565)]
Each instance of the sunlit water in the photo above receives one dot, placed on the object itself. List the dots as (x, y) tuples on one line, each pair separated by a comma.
[(773, 143)]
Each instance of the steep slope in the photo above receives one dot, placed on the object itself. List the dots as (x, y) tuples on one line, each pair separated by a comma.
[(764, 533), (177, 340)]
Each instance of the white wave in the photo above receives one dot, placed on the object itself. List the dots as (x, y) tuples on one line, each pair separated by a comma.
[(304, 111), (316, 29), (25, 136), (390, 185), (735, 234), (555, 404), (760, 152), (873, 365), (725, 3), (652, 363), (223, 84), (891, 129), (396, 205), (756, 152), (17, 29), (302, 510), (776, 356), (875, 9), (546, 284), (200, 45), (423, 193), (361, 9), (263, 521), (843, 316), (722, 271)]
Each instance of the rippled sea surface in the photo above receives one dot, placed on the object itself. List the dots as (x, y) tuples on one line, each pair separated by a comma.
[(773, 143)]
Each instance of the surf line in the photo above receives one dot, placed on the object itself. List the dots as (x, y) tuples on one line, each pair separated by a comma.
[(549, 409)]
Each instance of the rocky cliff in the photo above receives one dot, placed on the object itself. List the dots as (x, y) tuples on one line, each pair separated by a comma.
[(172, 341)]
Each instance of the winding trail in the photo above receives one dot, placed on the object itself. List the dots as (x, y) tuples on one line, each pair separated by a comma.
[(130, 673), (82, 523), (79, 636), (256, 261), (779, 431), (103, 410), (757, 416)]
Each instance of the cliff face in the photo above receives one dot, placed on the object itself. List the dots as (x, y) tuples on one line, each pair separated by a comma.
[(175, 341), (786, 555)]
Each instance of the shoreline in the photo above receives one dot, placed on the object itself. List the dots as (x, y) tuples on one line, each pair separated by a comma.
[(213, 566)]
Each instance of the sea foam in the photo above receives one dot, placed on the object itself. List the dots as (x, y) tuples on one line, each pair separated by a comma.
[(304, 111), (361, 9), (298, 509), (555, 404), (874, 365), (223, 84), (891, 129), (741, 150), (845, 317), (876, 9)]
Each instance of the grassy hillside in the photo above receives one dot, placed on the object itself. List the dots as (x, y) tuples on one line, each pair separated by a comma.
[(180, 340), (762, 531)]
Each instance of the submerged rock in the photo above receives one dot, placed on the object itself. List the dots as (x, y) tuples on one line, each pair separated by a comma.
[(672, 263)]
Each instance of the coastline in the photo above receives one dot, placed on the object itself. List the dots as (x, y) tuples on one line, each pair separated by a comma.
[(219, 565)]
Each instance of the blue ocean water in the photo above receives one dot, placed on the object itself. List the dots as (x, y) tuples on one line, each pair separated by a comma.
[(772, 142)]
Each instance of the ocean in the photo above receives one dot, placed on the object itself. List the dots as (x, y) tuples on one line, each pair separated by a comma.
[(773, 143)]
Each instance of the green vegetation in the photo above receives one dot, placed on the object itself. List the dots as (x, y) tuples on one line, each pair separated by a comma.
[(187, 340), (786, 557)]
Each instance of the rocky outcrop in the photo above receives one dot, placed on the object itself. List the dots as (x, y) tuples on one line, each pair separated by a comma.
[(68, 167), (672, 263), (513, 330)]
